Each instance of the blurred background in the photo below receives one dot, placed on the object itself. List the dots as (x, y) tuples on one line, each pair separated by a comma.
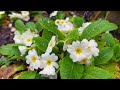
[(6, 35)]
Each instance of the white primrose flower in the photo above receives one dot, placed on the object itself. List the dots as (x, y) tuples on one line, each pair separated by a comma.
[(53, 13), (18, 37), (2, 12), (33, 59), (91, 46), (22, 50), (64, 25), (25, 13), (25, 18), (49, 64), (15, 15), (51, 44), (77, 51), (27, 37), (84, 25)]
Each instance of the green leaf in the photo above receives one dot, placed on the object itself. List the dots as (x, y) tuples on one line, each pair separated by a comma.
[(31, 25), (38, 76), (70, 70), (109, 39), (38, 26), (5, 61), (19, 25), (105, 55), (110, 67), (45, 23), (101, 45), (96, 28), (74, 35), (27, 75), (41, 43), (78, 21), (116, 56), (92, 72), (47, 34), (60, 15), (10, 50)]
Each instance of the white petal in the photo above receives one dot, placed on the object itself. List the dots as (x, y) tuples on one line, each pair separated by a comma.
[(55, 65), (48, 70), (53, 13), (65, 47), (22, 50), (54, 57)]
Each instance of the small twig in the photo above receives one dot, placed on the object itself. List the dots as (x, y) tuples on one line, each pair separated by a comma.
[(107, 14), (96, 16)]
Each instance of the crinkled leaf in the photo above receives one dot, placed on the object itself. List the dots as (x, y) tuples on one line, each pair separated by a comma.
[(27, 75), (41, 43), (96, 28), (38, 26), (116, 56), (10, 50), (109, 39), (38, 76), (111, 67), (31, 25), (74, 35), (47, 34), (45, 23), (92, 72), (70, 70), (19, 25), (105, 55), (78, 21), (5, 61), (60, 15), (101, 45)]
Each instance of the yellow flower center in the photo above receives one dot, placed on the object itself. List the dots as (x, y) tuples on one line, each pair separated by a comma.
[(57, 22), (84, 61), (19, 38), (49, 62), (62, 22), (50, 44), (34, 59), (89, 47), (29, 40), (78, 51)]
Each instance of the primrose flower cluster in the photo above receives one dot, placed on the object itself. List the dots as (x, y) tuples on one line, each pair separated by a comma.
[(79, 51), (83, 51), (24, 15), (46, 62), (64, 25)]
